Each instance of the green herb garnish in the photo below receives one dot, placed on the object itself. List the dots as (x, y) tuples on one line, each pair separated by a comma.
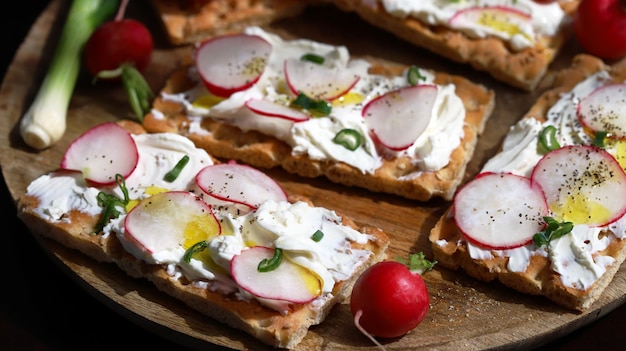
[(317, 236), (599, 139), (175, 172), (547, 139), (417, 263), (195, 248), (553, 230), (348, 138), (316, 107), (110, 203), (414, 75), (267, 265), (312, 58)]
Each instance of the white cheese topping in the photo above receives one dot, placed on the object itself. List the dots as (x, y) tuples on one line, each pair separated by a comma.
[(430, 152), (545, 19)]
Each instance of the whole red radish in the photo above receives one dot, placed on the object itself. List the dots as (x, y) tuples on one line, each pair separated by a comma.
[(390, 298), (120, 50), (600, 27)]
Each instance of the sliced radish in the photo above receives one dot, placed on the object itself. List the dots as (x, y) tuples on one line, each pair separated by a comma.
[(492, 19), (237, 183), (500, 210), (582, 184), (169, 220), (288, 282), (101, 153), (231, 63), (604, 110), (317, 81), (399, 117), (271, 109)]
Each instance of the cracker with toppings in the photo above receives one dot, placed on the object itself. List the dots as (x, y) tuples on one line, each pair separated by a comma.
[(556, 226), (514, 41), (220, 237), (189, 21), (419, 132)]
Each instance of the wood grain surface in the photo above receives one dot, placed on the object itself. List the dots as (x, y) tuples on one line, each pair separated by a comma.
[(465, 314)]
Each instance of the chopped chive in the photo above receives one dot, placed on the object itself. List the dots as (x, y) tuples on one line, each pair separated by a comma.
[(317, 236), (267, 265), (109, 202), (348, 138), (195, 248), (547, 139), (414, 75), (319, 107), (312, 58), (175, 172)]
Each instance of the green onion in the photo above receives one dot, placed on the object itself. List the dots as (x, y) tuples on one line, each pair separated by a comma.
[(195, 248), (175, 172), (348, 138), (599, 139), (267, 265), (317, 107), (414, 76), (313, 58), (547, 139), (44, 122), (317, 236)]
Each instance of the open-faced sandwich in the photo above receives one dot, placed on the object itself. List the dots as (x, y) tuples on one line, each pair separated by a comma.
[(546, 214), (222, 237), (314, 110), (513, 40)]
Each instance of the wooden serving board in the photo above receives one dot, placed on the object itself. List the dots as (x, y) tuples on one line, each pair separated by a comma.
[(464, 314)]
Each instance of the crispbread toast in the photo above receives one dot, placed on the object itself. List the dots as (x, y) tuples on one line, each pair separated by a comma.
[(452, 250)]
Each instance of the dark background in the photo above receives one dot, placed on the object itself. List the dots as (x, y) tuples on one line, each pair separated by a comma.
[(42, 308)]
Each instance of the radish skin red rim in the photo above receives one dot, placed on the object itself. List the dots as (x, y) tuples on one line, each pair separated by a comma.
[(237, 183), (171, 219), (397, 118), (101, 153), (500, 210), (604, 110), (231, 63), (493, 19), (271, 109), (317, 81), (582, 184), (288, 282)]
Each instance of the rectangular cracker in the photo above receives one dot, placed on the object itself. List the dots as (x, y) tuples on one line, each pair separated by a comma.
[(451, 249), (523, 69)]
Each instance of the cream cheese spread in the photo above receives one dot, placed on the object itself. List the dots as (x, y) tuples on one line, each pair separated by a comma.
[(430, 152), (273, 224), (544, 19), (576, 257)]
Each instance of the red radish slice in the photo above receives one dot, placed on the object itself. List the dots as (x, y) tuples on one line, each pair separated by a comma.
[(500, 210), (288, 282), (271, 109), (582, 184), (102, 152), (172, 219), (604, 110), (319, 82), (493, 19), (240, 184), (399, 117), (231, 63)]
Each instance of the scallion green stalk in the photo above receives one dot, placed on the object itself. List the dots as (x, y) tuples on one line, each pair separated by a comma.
[(44, 122)]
